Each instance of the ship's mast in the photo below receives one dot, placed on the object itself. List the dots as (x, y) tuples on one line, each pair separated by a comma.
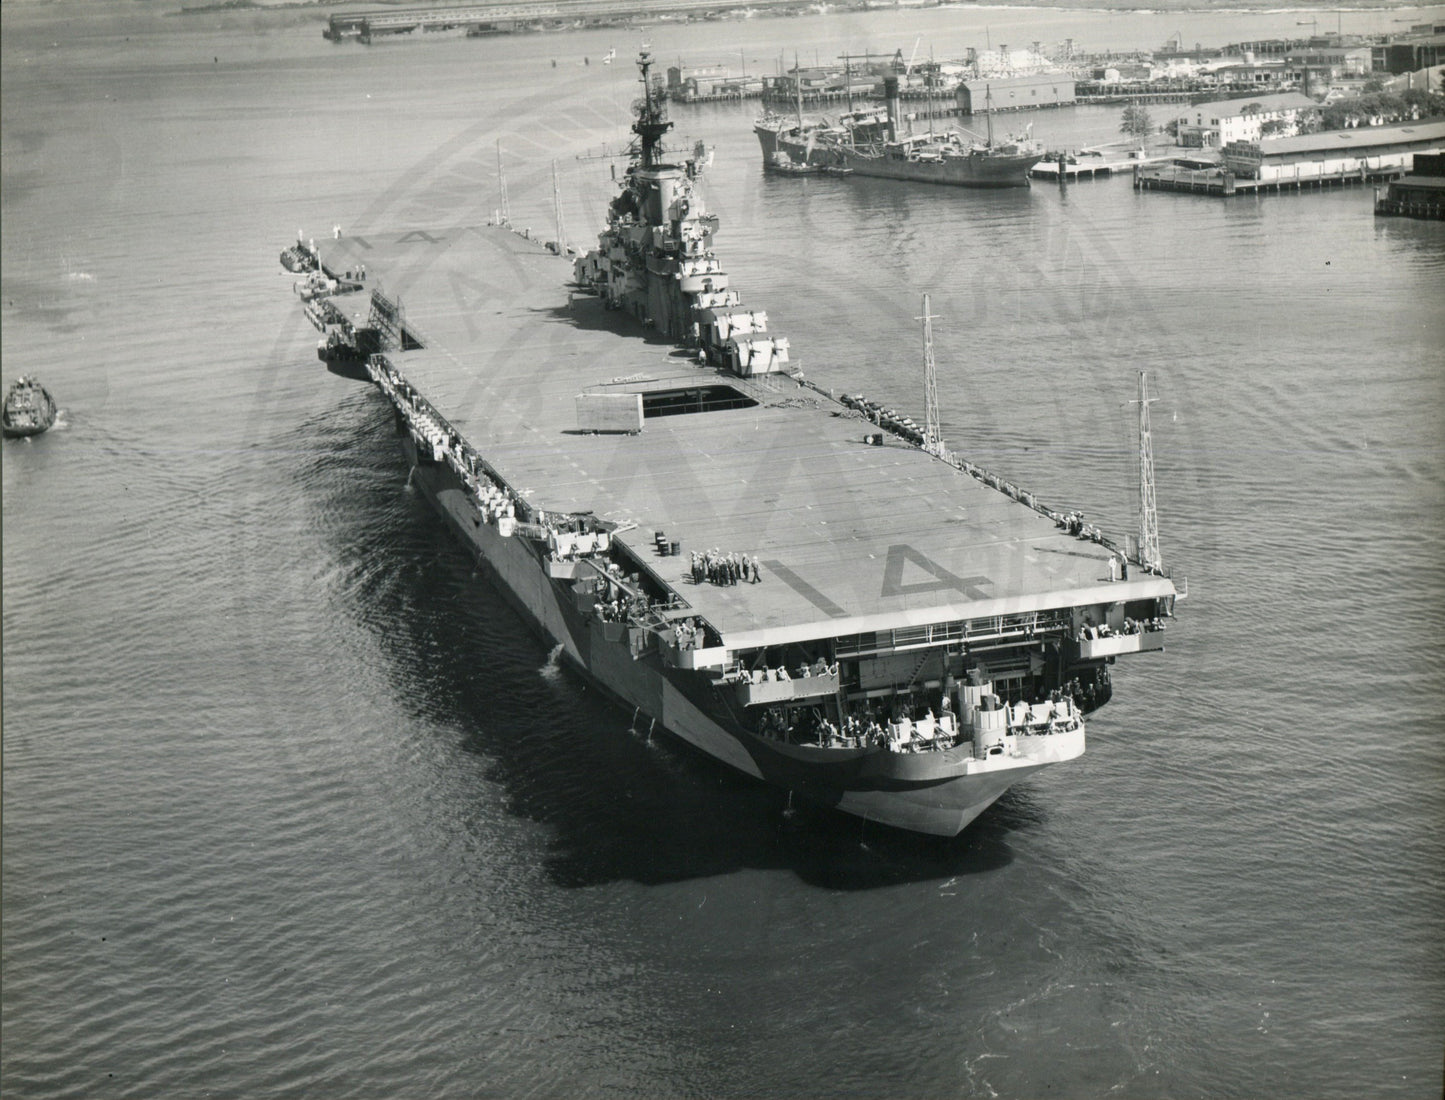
[(932, 423), (932, 71), (505, 213), (798, 88), (1149, 556), (988, 111), (651, 121)]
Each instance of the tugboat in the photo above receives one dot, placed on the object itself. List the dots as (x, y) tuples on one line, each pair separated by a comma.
[(29, 408)]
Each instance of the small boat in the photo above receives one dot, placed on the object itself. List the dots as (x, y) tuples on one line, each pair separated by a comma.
[(29, 409), (781, 162)]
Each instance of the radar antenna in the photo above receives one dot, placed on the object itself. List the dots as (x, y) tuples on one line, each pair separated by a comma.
[(1149, 556), (652, 120), (932, 424)]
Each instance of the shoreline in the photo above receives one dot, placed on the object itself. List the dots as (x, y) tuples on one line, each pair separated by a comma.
[(783, 9)]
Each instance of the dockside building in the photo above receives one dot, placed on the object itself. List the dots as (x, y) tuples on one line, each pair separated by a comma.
[(1369, 151), (1421, 194), (1015, 93), (1224, 121)]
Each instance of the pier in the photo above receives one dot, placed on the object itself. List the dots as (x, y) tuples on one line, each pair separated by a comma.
[(1097, 163), (1091, 168), (1223, 183), (1109, 98)]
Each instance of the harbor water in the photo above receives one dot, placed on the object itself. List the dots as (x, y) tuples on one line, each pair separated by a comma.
[(294, 805)]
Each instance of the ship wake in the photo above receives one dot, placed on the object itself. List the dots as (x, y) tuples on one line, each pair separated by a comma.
[(551, 669)]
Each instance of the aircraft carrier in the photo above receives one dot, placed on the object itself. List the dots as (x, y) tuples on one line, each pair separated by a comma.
[(813, 591)]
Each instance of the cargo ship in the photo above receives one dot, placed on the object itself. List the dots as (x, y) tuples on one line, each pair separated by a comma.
[(867, 142), (811, 590)]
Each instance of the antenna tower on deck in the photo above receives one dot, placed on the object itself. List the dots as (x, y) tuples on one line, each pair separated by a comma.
[(506, 212), (651, 121), (1149, 556), (557, 208), (932, 424)]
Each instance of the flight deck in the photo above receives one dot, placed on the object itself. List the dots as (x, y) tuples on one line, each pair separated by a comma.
[(852, 536)]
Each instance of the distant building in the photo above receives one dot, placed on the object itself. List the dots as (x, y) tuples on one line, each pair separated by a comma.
[(1264, 47), (1224, 121), (817, 83), (694, 79), (1014, 93), (1332, 62), (710, 82), (1123, 72), (1407, 55), (1251, 70)]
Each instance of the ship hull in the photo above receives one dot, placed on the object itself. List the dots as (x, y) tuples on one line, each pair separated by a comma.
[(768, 139), (924, 793), (979, 169), (20, 431)]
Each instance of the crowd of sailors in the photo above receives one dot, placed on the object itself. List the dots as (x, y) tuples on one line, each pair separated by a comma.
[(621, 608), (621, 599), (898, 726), (1129, 626), (619, 605), (804, 671), (1092, 694), (716, 567), (495, 504), (1073, 523), (687, 634), (885, 418)]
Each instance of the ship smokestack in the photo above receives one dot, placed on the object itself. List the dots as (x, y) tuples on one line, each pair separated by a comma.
[(890, 93)]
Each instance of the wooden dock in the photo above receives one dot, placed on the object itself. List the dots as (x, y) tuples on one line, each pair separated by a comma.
[(1092, 167), (1075, 170), (1109, 98), (1222, 183)]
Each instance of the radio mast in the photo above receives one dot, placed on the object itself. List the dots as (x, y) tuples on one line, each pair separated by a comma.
[(557, 208), (1149, 556), (505, 213), (932, 423)]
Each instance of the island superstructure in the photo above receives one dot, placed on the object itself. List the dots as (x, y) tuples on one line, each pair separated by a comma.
[(813, 591)]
